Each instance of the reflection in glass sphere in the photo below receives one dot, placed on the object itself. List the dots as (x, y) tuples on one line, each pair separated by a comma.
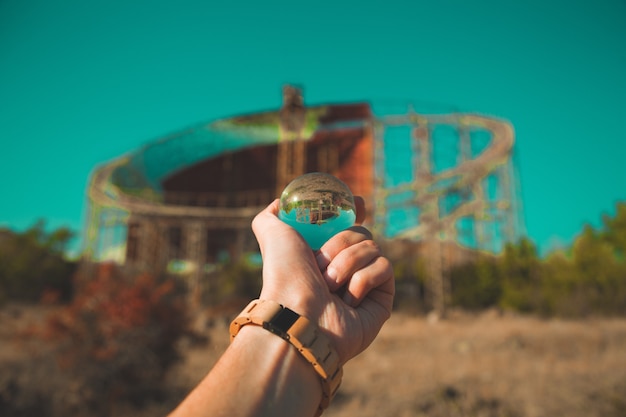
[(318, 206)]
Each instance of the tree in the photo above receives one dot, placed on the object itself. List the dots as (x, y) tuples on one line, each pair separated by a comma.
[(521, 269), (33, 262), (476, 284), (615, 231), (598, 257)]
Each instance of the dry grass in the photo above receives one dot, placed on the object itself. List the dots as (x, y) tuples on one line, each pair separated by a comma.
[(488, 365), (476, 365), (467, 365)]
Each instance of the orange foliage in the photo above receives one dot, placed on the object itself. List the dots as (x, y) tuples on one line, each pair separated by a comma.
[(117, 323)]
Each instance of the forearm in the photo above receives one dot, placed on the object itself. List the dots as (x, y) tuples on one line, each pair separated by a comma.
[(260, 374)]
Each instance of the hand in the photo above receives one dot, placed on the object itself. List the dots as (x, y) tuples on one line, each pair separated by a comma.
[(347, 287)]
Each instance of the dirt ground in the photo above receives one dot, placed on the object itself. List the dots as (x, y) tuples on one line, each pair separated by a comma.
[(485, 364)]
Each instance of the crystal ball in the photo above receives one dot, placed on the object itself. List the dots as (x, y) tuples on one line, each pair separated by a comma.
[(318, 206)]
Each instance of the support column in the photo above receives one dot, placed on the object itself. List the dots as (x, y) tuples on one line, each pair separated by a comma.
[(195, 248), (291, 150), (429, 216), (149, 242)]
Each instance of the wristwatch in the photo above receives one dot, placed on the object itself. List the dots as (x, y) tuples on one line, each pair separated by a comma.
[(305, 336)]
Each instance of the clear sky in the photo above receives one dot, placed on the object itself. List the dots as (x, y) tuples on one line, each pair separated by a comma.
[(83, 82)]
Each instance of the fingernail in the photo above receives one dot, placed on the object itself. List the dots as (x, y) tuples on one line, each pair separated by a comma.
[(331, 273), (322, 260)]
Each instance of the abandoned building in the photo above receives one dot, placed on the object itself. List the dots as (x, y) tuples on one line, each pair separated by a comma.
[(184, 203)]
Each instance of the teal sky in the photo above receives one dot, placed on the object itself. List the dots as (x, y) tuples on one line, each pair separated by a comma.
[(83, 82)]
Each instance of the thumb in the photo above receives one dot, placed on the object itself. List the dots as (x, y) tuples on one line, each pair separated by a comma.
[(273, 234)]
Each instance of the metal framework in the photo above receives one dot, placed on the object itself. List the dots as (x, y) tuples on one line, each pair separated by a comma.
[(444, 180), (291, 160)]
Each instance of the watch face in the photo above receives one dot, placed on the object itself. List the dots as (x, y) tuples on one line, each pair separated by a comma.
[(284, 320)]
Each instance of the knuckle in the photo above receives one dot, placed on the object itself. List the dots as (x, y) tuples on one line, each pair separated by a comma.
[(386, 265)]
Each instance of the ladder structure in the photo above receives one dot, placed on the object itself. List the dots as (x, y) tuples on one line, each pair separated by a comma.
[(291, 150), (445, 190), (183, 204)]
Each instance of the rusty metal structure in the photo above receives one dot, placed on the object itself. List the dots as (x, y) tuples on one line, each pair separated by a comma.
[(446, 181), (184, 203)]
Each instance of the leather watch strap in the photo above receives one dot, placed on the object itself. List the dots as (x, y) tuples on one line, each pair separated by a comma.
[(305, 336)]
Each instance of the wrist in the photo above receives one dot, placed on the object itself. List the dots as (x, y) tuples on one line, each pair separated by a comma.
[(307, 339), (277, 372), (314, 307), (301, 303), (295, 282)]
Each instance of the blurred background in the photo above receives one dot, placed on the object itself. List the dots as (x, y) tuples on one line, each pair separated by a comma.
[(120, 123)]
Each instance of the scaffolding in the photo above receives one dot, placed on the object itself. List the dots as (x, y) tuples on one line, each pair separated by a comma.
[(446, 180), (184, 203), (291, 160)]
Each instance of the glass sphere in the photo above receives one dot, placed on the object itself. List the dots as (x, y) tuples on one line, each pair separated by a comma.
[(318, 206)]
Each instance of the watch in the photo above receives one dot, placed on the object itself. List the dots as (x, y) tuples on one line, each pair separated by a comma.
[(305, 336)]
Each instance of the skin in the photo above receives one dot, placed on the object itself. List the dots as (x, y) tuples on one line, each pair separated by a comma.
[(346, 288)]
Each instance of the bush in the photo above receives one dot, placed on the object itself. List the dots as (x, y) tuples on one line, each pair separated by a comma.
[(33, 263), (234, 279), (112, 345), (476, 285)]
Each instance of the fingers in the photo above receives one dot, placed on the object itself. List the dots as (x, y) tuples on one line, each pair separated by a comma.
[(375, 281), (348, 262), (339, 242), (352, 262), (264, 219), (271, 232)]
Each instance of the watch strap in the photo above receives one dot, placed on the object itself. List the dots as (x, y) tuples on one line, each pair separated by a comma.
[(305, 336)]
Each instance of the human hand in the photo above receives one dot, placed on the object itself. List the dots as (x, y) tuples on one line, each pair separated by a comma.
[(346, 288)]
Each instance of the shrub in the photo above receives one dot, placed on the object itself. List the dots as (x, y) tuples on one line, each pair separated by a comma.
[(476, 285), (33, 263), (114, 343), (234, 279)]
